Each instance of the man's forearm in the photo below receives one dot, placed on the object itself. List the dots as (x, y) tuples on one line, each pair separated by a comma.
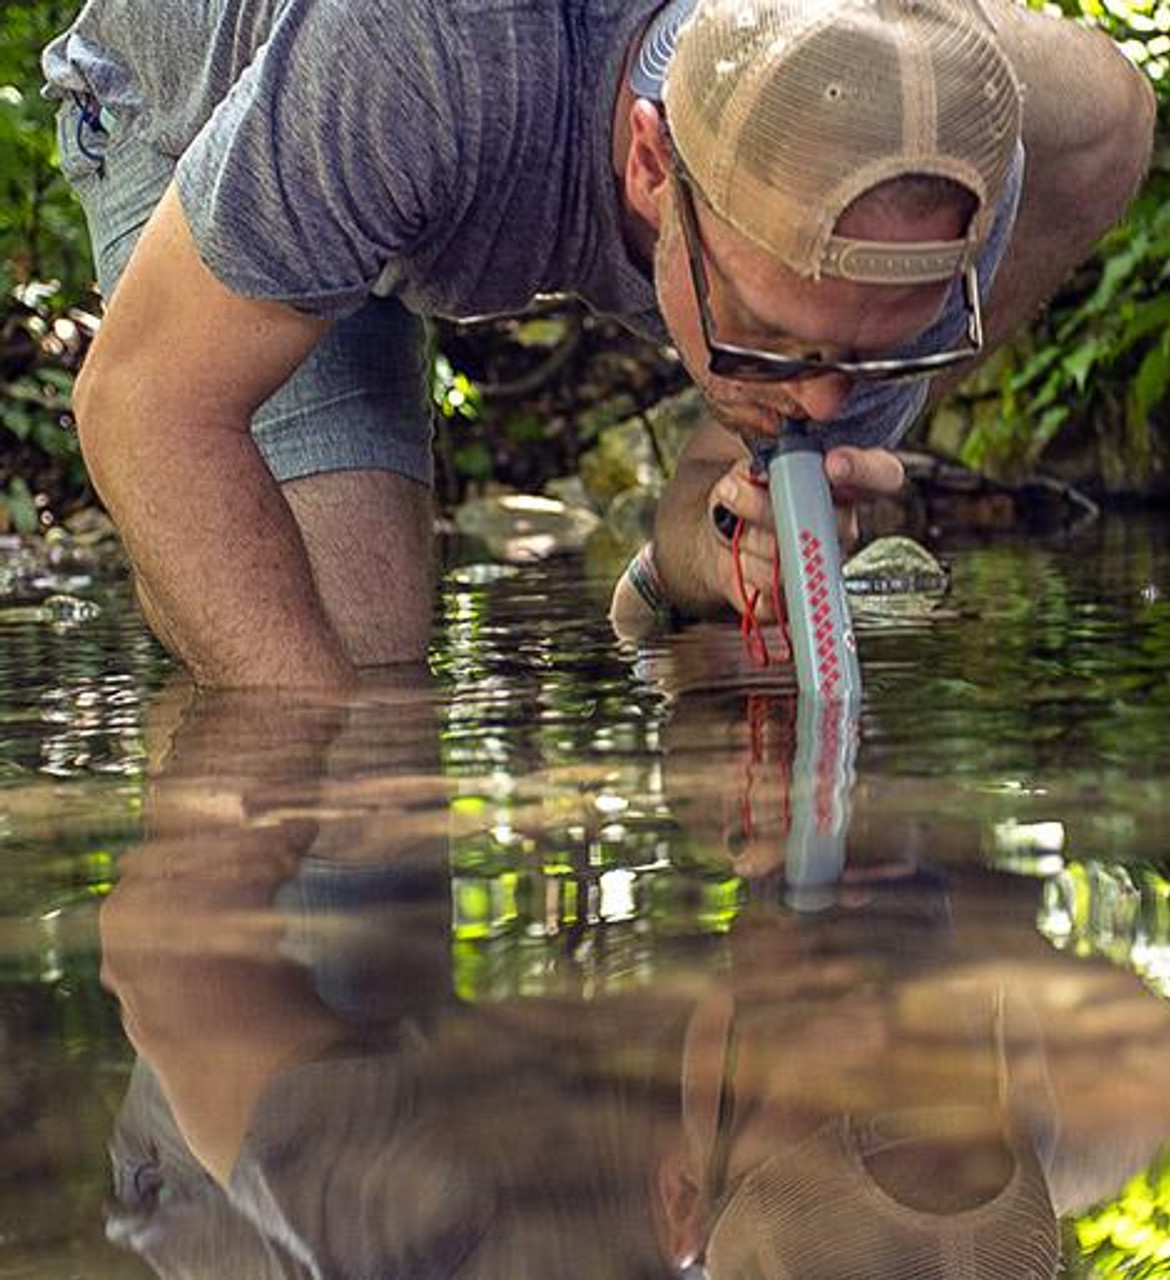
[(220, 559), (684, 550)]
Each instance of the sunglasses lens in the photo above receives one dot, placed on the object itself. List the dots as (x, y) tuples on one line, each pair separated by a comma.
[(748, 368)]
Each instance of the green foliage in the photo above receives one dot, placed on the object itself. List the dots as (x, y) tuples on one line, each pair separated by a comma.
[(1101, 352), (45, 273), (1130, 1237), (455, 395), (42, 233), (41, 346)]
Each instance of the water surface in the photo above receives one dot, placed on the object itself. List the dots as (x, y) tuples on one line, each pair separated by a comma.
[(494, 968)]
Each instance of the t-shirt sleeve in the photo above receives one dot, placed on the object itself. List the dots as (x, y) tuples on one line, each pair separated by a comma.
[(878, 414), (345, 1169), (334, 154)]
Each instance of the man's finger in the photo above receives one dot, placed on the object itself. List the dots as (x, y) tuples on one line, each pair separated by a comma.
[(848, 526), (857, 474)]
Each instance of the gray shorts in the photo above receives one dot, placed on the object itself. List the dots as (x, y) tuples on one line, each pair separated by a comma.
[(361, 399)]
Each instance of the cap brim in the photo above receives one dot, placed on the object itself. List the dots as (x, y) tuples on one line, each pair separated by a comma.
[(648, 74)]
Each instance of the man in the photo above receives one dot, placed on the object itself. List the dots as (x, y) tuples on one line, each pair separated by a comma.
[(313, 176)]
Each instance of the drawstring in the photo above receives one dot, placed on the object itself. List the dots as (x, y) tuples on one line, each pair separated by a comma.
[(90, 117), (760, 711)]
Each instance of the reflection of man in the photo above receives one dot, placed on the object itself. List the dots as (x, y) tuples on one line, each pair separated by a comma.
[(909, 1089), (811, 206), (911, 1085)]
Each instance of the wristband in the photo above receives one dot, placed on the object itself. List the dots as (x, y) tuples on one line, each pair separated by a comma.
[(642, 574)]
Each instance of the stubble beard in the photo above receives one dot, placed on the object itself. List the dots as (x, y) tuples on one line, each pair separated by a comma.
[(757, 424)]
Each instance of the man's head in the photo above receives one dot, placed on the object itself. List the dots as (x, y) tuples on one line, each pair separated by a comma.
[(820, 173)]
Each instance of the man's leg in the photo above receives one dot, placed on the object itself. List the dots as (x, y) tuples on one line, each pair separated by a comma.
[(369, 535), (349, 438)]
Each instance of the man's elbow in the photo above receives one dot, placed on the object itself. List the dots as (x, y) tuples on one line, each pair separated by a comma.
[(106, 397), (1132, 137)]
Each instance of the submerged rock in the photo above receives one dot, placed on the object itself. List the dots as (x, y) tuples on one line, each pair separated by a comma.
[(895, 566), (58, 611), (520, 526)]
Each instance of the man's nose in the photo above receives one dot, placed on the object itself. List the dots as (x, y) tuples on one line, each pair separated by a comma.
[(819, 398)]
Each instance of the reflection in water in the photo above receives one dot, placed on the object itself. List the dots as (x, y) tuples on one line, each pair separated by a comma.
[(493, 923), (884, 1071)]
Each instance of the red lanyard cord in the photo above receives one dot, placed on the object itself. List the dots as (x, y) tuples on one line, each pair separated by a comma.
[(750, 626)]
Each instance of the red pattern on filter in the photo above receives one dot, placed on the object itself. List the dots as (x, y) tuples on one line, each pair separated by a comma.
[(816, 586), (826, 785)]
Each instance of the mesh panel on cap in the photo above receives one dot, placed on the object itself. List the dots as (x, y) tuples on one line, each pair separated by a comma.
[(815, 1216), (784, 111)]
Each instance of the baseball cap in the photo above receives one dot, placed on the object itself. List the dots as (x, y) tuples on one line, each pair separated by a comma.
[(819, 1212), (786, 111), (817, 1209)]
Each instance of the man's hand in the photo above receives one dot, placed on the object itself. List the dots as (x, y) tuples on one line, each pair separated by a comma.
[(855, 476), (712, 490)]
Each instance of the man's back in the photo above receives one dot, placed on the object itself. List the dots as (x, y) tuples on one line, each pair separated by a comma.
[(456, 154)]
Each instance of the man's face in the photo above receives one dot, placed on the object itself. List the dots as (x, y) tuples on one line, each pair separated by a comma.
[(757, 302)]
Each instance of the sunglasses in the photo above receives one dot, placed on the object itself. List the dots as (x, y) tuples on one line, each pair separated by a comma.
[(747, 364)]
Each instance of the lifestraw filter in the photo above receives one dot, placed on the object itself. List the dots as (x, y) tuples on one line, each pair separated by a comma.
[(823, 644)]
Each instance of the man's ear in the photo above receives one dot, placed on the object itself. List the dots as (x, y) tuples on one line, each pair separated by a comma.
[(647, 162), (682, 1211)]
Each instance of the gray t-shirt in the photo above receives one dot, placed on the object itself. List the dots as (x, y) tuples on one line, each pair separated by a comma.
[(457, 153)]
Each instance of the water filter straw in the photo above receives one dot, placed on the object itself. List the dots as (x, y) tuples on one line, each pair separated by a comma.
[(823, 644), (823, 775)]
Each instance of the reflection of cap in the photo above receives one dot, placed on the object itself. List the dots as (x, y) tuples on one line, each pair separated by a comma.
[(817, 1210), (786, 111)]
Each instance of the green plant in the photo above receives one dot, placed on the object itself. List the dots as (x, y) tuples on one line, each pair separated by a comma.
[(1130, 1237), (42, 232), (1100, 354), (45, 274)]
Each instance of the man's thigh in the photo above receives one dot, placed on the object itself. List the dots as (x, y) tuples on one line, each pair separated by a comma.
[(348, 436), (370, 539)]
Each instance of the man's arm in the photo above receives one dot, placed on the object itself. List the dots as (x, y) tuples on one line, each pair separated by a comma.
[(688, 551), (163, 408)]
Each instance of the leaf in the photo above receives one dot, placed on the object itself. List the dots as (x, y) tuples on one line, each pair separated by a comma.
[(1145, 317), (61, 380), (524, 428), (22, 511), (542, 332), (1046, 429), (1115, 271), (1079, 362), (474, 461), (1153, 378), (1038, 363), (16, 419)]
